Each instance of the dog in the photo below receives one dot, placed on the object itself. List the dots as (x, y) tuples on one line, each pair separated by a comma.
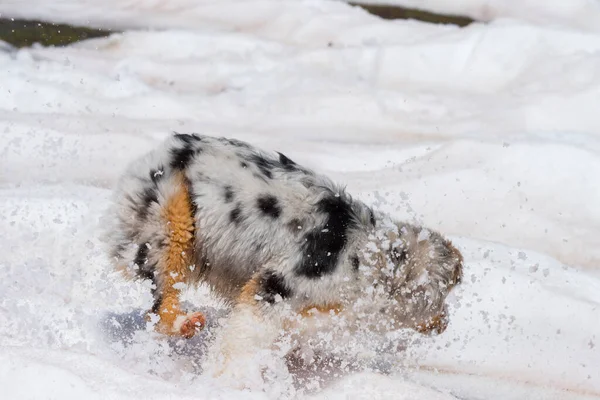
[(274, 239)]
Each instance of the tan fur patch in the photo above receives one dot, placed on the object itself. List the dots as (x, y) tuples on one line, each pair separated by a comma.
[(249, 291), (174, 267), (308, 314), (321, 309)]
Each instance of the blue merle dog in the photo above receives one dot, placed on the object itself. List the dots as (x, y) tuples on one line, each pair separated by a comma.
[(272, 238)]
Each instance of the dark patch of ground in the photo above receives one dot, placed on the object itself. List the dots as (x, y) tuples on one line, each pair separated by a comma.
[(398, 12), (24, 33)]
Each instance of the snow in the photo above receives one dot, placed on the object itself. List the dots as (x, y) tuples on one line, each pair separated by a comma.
[(488, 134)]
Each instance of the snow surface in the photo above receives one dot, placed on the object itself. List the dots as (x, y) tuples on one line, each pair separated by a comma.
[(489, 134)]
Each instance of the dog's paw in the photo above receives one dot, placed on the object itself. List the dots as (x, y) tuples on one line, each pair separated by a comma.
[(188, 325)]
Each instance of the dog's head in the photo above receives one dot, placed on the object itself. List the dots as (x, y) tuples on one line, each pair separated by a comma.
[(414, 270)]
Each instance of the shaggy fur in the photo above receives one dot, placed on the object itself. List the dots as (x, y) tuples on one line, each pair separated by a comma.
[(271, 237)]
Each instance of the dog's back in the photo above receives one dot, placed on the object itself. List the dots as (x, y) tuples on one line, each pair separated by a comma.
[(248, 208)]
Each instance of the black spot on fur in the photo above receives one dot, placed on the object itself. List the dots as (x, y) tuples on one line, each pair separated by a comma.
[(228, 194), (322, 246), (234, 142), (372, 217), (235, 215), (146, 271), (157, 301), (141, 256), (188, 138), (145, 274), (269, 205), (264, 165), (399, 255), (148, 196), (272, 284), (355, 262), (157, 174), (181, 157), (286, 163)]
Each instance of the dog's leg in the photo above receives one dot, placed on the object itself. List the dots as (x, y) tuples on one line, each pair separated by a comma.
[(173, 268), (243, 349)]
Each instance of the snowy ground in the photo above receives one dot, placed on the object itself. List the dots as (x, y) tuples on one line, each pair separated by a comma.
[(490, 134)]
